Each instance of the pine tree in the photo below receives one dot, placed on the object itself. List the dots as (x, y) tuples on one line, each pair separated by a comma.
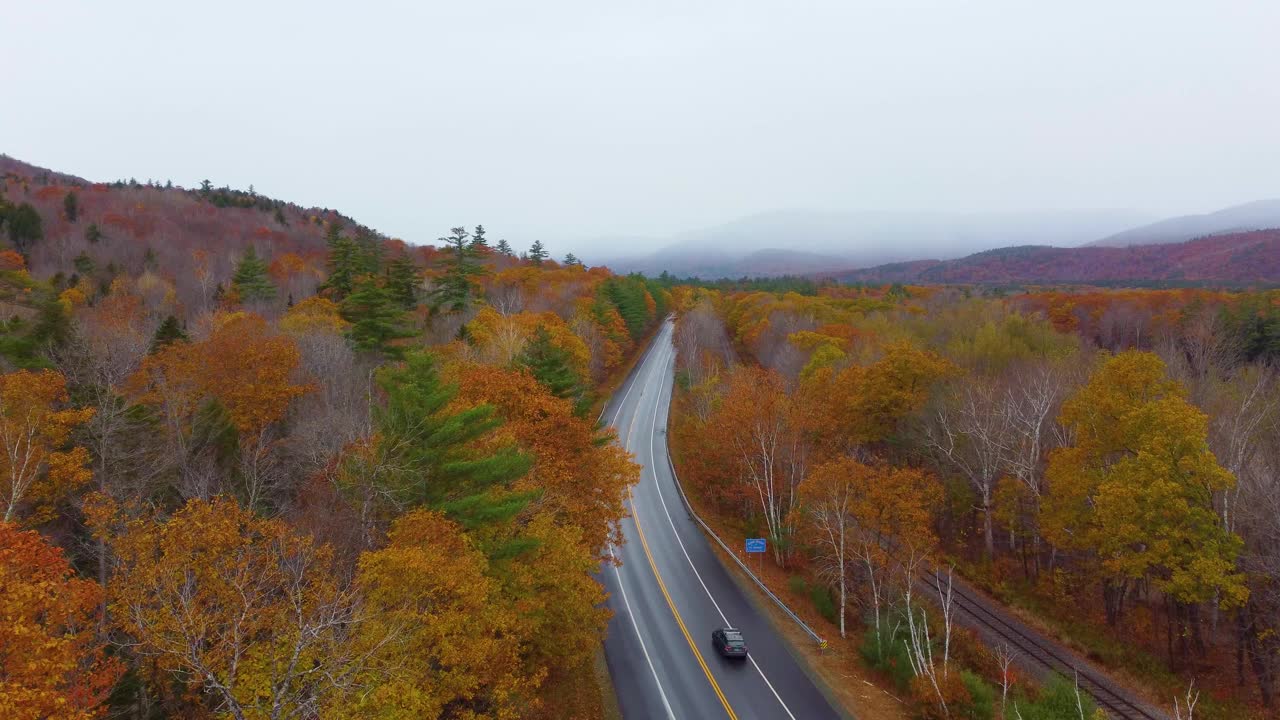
[(537, 253), (251, 281), (25, 227), (403, 281), (571, 260), (553, 367), (376, 318), (428, 451), (92, 234), (453, 293), (71, 206), (478, 243), (169, 332), (343, 263), (504, 248), (369, 252)]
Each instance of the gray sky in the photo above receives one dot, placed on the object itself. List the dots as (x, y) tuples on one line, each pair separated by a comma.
[(559, 119)]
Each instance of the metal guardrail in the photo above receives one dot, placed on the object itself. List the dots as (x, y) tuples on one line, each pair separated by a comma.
[(759, 583)]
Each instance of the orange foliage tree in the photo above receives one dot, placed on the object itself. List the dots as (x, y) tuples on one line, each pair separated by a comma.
[(580, 475), (52, 665), (871, 515), (242, 368), (764, 426)]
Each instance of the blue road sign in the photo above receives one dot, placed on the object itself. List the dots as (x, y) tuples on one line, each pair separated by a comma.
[(755, 545)]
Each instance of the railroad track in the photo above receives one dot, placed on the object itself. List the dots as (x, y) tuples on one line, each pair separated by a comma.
[(1111, 699)]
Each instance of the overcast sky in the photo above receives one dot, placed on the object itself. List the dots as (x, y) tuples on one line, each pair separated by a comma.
[(563, 120)]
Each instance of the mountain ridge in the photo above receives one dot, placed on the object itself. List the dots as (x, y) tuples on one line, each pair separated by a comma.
[(1235, 259)]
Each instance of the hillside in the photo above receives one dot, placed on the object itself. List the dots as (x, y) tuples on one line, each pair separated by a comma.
[(1238, 218), (1235, 259), (127, 227)]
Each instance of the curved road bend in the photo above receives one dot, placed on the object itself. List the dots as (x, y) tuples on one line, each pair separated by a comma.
[(671, 591)]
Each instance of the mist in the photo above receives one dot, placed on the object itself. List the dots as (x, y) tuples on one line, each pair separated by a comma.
[(612, 130)]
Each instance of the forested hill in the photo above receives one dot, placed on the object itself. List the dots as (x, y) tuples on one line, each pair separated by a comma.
[(374, 466), (127, 226), (1236, 259)]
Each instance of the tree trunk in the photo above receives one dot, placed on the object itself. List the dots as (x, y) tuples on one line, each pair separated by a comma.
[(988, 536), (1113, 593)]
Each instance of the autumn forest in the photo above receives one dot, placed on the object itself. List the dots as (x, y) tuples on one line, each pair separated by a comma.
[(261, 461), (310, 472)]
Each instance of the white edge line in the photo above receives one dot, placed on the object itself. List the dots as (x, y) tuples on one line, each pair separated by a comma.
[(652, 433), (632, 616), (622, 586)]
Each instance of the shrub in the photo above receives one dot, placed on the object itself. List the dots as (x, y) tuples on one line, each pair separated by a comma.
[(1056, 701), (888, 657), (982, 698), (822, 600), (925, 699)]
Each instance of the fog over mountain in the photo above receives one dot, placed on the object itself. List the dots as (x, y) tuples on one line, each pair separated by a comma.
[(1257, 215), (802, 241)]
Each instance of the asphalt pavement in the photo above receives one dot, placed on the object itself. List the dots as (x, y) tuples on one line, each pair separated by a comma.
[(671, 590)]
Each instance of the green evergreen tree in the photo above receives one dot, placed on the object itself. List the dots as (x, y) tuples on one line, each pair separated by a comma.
[(553, 367), (169, 332), (571, 260), (453, 292), (92, 234), (504, 248), (403, 281), (427, 452), (369, 252), (251, 281), (84, 264), (71, 206), (537, 253), (376, 318), (343, 262), (478, 242), (25, 227)]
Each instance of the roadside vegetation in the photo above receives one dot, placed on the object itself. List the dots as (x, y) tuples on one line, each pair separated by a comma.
[(1103, 461)]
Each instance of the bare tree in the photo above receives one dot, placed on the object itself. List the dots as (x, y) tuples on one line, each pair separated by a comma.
[(1032, 399), (920, 651), (1185, 708), (972, 432)]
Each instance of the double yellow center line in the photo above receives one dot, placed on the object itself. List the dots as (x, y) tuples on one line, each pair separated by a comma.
[(679, 621)]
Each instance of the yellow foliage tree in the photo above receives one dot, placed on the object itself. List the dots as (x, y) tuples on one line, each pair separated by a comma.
[(242, 608), (37, 465), (316, 314), (441, 639), (1135, 492)]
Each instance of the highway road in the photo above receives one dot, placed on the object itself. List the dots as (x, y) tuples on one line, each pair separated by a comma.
[(671, 591)]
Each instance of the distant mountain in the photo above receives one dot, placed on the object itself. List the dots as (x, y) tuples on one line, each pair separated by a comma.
[(1234, 259), (1258, 215), (804, 240)]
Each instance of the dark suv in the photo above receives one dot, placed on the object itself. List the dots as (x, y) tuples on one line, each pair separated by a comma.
[(729, 642)]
